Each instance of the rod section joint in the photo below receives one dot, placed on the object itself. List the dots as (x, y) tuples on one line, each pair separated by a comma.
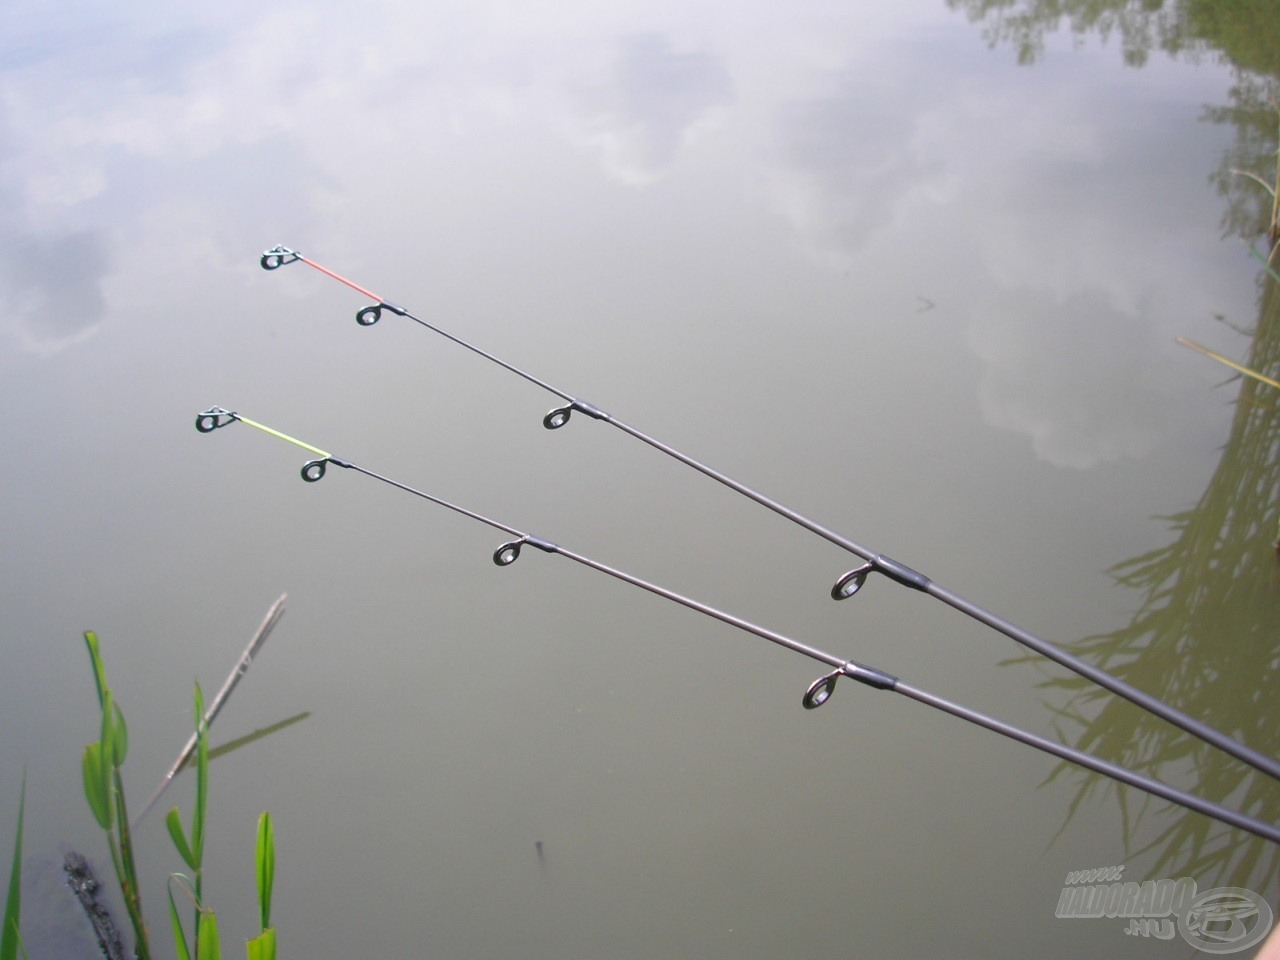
[(901, 573), (870, 676)]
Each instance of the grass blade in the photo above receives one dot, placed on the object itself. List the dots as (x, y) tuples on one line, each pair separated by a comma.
[(207, 945), (179, 937), (96, 790), (1257, 179), (174, 822), (1265, 261), (266, 861), (263, 946), (10, 935), (119, 736), (99, 671), (202, 780), (1230, 363), (259, 734)]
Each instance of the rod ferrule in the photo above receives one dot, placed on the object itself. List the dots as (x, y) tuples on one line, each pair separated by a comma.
[(901, 573), (870, 676)]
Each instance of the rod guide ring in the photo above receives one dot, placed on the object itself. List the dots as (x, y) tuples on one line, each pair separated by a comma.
[(851, 582), (508, 553)]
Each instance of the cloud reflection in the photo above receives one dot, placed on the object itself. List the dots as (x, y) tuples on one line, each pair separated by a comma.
[(1077, 414), (51, 288), (879, 148), (846, 160), (1064, 230), (648, 104)]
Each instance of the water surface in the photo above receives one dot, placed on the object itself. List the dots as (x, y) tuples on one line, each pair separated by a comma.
[(862, 259)]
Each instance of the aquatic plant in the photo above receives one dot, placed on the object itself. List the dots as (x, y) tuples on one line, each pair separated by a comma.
[(104, 792), (263, 946), (190, 846)]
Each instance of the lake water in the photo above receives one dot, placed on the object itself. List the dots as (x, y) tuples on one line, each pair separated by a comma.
[(914, 270)]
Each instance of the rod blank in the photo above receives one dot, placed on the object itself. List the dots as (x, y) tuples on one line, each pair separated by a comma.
[(820, 691)]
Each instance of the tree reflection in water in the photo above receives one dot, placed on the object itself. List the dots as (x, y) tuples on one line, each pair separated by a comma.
[(1207, 635), (1206, 638)]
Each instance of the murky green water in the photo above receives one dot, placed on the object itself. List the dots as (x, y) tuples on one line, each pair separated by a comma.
[(859, 257)]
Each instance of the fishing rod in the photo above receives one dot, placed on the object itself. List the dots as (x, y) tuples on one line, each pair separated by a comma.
[(818, 692), (848, 583)]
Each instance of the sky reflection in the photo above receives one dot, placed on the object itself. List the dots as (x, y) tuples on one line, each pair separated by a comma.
[(128, 127)]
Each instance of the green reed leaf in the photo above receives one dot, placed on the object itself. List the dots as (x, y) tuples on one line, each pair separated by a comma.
[(263, 946), (96, 785), (179, 936), (207, 945), (173, 820), (99, 670), (119, 735), (10, 936), (202, 780), (266, 862)]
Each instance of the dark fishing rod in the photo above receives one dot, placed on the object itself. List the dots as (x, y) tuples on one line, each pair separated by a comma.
[(821, 689), (849, 583)]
